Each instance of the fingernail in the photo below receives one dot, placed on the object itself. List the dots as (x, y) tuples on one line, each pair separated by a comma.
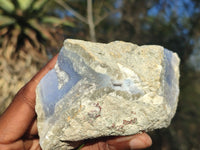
[(135, 143)]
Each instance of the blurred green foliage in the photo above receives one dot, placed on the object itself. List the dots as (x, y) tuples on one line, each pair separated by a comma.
[(26, 24), (173, 24)]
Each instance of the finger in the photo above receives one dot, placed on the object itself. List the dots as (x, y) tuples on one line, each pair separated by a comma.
[(32, 144), (14, 146), (49, 66), (22, 145), (17, 118), (100, 145), (32, 131), (28, 91), (138, 141)]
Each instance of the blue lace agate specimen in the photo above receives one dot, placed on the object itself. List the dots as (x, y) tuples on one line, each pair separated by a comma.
[(112, 89)]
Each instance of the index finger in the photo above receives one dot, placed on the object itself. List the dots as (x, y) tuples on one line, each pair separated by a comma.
[(19, 115), (28, 91), (50, 65)]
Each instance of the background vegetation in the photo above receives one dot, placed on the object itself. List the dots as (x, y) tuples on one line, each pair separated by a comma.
[(32, 31)]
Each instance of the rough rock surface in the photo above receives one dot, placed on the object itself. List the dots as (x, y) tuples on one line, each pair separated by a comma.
[(110, 89)]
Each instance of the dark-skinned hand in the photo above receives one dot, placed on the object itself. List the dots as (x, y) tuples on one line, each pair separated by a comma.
[(18, 126)]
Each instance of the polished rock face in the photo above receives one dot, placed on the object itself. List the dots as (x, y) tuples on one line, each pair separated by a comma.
[(110, 89)]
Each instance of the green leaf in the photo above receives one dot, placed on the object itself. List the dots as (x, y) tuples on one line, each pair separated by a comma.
[(39, 4), (5, 21), (24, 4), (68, 23), (51, 19), (7, 6), (57, 21), (42, 31)]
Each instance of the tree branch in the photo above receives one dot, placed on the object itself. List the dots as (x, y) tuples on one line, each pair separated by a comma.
[(75, 13), (101, 18), (91, 21)]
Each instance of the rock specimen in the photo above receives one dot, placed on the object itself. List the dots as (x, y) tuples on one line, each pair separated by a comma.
[(110, 89)]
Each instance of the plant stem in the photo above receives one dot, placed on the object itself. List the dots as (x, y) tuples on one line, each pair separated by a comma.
[(91, 21)]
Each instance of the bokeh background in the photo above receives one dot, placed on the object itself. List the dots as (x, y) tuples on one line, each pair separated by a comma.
[(32, 31)]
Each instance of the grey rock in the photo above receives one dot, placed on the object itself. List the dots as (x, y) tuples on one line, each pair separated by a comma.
[(110, 89)]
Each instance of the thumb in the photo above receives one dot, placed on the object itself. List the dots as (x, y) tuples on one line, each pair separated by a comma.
[(138, 141)]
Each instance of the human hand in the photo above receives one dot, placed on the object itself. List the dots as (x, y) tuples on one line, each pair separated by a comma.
[(18, 126)]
